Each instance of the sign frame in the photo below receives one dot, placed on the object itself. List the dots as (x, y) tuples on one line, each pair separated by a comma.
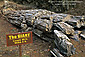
[(17, 34)]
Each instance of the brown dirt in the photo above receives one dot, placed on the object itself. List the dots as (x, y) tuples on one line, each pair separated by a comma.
[(80, 47)]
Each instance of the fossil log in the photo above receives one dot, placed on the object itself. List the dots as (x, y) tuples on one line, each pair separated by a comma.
[(41, 35), (63, 44), (45, 24), (74, 23), (83, 34), (55, 52), (65, 28)]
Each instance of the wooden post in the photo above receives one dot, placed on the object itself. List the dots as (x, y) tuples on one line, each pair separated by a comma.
[(20, 52)]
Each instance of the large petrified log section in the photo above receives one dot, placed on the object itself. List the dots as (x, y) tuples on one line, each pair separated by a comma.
[(65, 28), (63, 44), (55, 52), (49, 26)]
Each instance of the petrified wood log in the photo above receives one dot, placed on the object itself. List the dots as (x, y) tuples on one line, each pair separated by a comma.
[(41, 35), (65, 28), (74, 23), (60, 35), (44, 25), (56, 53), (83, 34), (63, 44)]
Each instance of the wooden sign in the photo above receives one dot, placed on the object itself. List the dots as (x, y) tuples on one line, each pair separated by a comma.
[(19, 38)]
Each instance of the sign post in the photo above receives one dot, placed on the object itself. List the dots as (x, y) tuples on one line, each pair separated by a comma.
[(19, 39), (20, 51)]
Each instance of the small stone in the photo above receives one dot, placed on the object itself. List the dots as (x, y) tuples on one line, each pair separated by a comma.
[(82, 51), (10, 50), (49, 46), (45, 50), (41, 52), (0, 55), (84, 45), (35, 51), (24, 54), (48, 49), (27, 52), (5, 46)]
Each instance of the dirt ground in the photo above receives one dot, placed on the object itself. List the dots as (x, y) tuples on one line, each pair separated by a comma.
[(80, 48)]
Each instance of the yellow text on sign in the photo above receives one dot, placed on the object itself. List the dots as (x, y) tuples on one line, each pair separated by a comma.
[(20, 41), (11, 37)]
